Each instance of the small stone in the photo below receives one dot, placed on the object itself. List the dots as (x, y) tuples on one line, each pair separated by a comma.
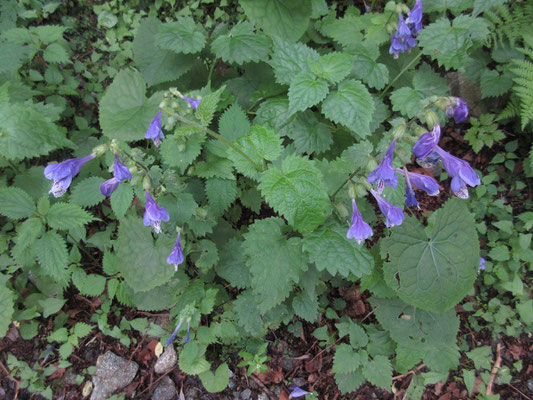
[(288, 364), (167, 361), (246, 393), (530, 385), (165, 390), (112, 373), (277, 391), (236, 396), (193, 394), (299, 382), (232, 384), (2, 393), (262, 396), (70, 377)]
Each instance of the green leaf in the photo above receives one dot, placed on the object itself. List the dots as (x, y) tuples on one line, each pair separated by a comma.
[(180, 150), (216, 382), (52, 255), (297, 192), (346, 359), (242, 45), (157, 65), (433, 270), (500, 253), (208, 106), (125, 112), (55, 53), (455, 6), (215, 167), (379, 372), (88, 284), (15, 203), (182, 36), (485, 5), (375, 75), (275, 262), (349, 382), (51, 305), (288, 19), (86, 193), (192, 359), (7, 299), (305, 305), (289, 59), (233, 123), (345, 31), (28, 232), (121, 200), (261, 144), (221, 193), (67, 216), (330, 250), (449, 43), (141, 261), (208, 254), (333, 67), (81, 329), (350, 105), (232, 264), (306, 91), (18, 55), (494, 84)]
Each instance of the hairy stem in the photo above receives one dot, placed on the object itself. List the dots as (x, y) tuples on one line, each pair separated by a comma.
[(413, 62)]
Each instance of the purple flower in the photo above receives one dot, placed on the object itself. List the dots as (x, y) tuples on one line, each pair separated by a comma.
[(393, 215), (384, 174), (173, 336), (193, 102), (459, 111), (410, 198), (414, 18), (423, 182), (187, 338), (108, 187), (154, 214), (154, 132), (359, 230), (120, 174), (63, 172), (296, 392), (176, 256), (426, 143), (481, 264), (461, 172), (402, 40)]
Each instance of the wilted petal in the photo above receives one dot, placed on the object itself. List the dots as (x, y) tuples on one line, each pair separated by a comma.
[(108, 187), (297, 392), (384, 174), (393, 215), (154, 132), (359, 229), (120, 171), (426, 143), (171, 338)]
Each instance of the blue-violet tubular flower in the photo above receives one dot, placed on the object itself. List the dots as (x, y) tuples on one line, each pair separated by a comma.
[(120, 174), (173, 336), (426, 143), (423, 182), (176, 256), (154, 214), (459, 111), (154, 132), (297, 392), (194, 103), (359, 229), (414, 18), (63, 172), (393, 215), (384, 174), (461, 172)]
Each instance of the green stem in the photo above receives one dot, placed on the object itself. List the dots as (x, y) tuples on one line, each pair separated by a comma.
[(211, 68), (413, 62), (219, 137), (342, 185), (137, 162), (82, 249)]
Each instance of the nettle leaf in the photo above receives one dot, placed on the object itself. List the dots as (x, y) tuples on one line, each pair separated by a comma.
[(121, 200), (88, 284), (330, 250), (379, 372), (125, 111), (305, 305), (261, 144), (333, 67), (141, 261), (456, 6), (242, 45), (7, 299), (433, 270), (374, 74), (86, 193), (289, 59), (305, 91), (278, 17), (494, 84), (481, 6), (156, 64), (214, 167), (350, 105), (15, 203), (449, 43), (297, 192), (55, 53), (349, 382), (208, 106), (275, 262), (18, 55), (67, 216), (180, 150), (233, 123), (52, 255), (232, 264), (345, 31), (28, 232), (346, 359), (192, 359), (221, 193), (182, 36)]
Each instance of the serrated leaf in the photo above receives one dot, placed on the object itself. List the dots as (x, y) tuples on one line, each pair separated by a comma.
[(87, 192), (333, 67), (330, 250), (52, 255), (485, 5), (18, 55), (305, 91), (379, 372), (157, 65), (297, 192), (345, 31), (214, 167), (141, 261), (349, 382), (51, 305), (88, 284), (275, 263), (125, 112), (305, 305), (175, 155), (192, 359), (433, 270), (15, 203), (289, 59), (216, 382), (81, 329), (208, 106), (233, 123), (278, 17), (350, 105), (158, 298), (55, 53), (121, 200), (242, 45), (28, 232), (232, 264), (182, 36), (252, 199), (7, 299), (375, 75), (221, 193), (261, 144), (208, 254), (346, 359), (67, 216), (494, 84), (49, 33), (455, 6)]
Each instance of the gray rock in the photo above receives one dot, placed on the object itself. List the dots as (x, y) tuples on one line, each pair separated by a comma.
[(288, 364), (193, 394), (70, 377), (246, 393), (112, 373), (166, 361), (232, 384), (263, 396), (530, 385), (299, 382), (165, 390), (236, 396)]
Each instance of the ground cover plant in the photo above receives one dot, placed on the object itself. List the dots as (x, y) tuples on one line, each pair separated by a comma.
[(291, 197)]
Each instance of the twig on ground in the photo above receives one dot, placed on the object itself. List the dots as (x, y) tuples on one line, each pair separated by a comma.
[(263, 386), (495, 369), (519, 391), (17, 382)]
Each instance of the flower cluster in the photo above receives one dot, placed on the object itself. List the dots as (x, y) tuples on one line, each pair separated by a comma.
[(404, 38)]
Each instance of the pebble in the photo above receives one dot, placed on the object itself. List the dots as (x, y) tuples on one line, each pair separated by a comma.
[(262, 396), (112, 373), (166, 361), (299, 382), (193, 394), (246, 393), (530, 385), (288, 364), (165, 390)]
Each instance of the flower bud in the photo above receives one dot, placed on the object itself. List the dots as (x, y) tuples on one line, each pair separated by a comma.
[(114, 146), (201, 212), (360, 191), (432, 119), (419, 131), (163, 104), (371, 165), (402, 8), (343, 212), (147, 183), (99, 150), (351, 191), (398, 131), (190, 171)]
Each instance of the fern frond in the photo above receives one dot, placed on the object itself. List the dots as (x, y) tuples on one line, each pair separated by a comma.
[(511, 110), (523, 87)]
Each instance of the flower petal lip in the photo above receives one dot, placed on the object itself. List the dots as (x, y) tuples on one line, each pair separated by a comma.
[(108, 187), (393, 215), (176, 257), (423, 182), (120, 171), (459, 111), (384, 174), (359, 229), (154, 131), (62, 173), (154, 214), (457, 167), (426, 143)]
